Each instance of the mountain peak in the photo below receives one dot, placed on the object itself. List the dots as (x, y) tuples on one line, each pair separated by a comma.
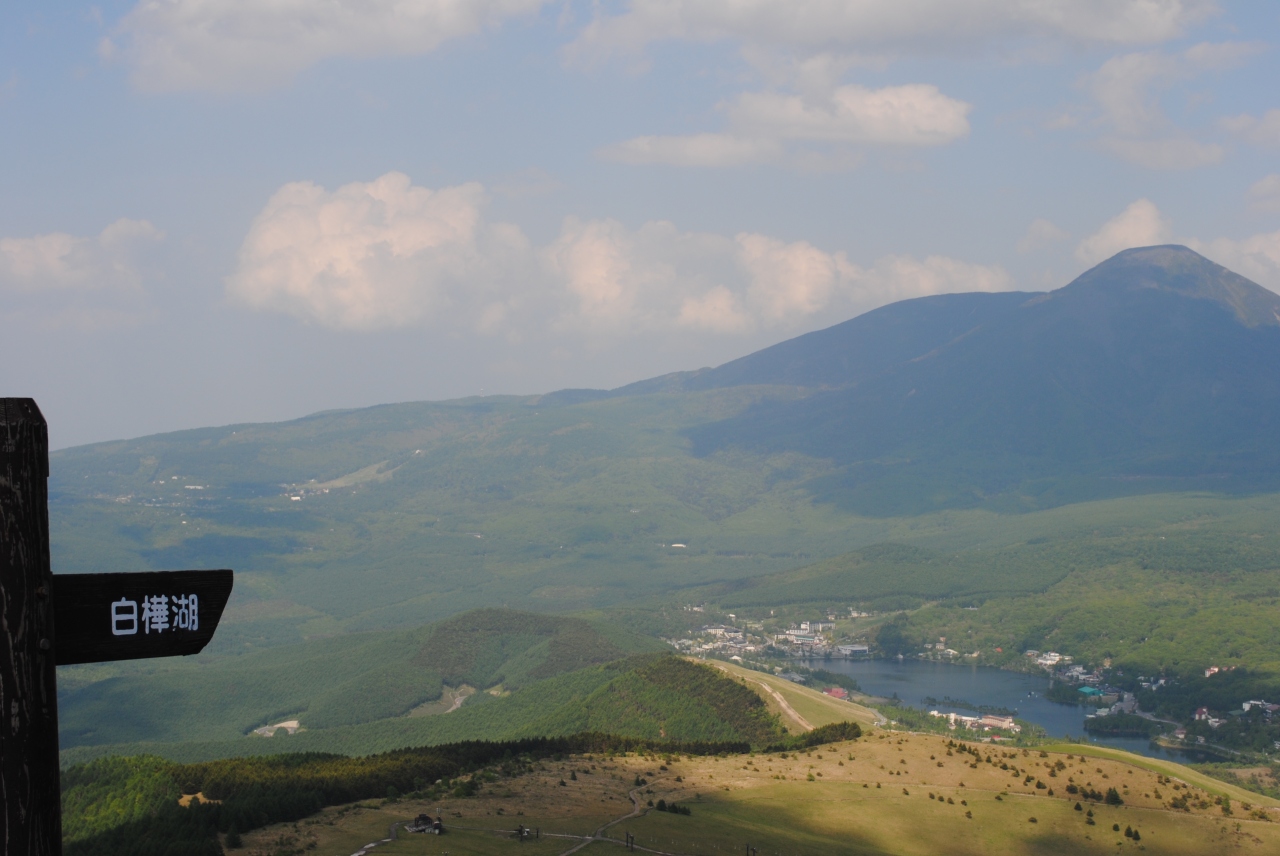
[(1180, 270)]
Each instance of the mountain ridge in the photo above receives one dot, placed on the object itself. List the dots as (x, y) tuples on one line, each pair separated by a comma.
[(1156, 362)]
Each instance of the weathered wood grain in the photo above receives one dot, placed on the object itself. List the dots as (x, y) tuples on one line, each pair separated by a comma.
[(29, 789)]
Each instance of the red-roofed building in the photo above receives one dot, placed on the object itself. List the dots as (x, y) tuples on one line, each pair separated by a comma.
[(838, 692)]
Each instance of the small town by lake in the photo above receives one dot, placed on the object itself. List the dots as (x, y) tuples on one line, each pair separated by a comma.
[(913, 681)]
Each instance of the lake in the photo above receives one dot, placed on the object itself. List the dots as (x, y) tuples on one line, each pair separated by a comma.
[(914, 680)]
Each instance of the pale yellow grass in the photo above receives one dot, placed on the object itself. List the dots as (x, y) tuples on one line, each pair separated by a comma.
[(814, 708), (868, 796)]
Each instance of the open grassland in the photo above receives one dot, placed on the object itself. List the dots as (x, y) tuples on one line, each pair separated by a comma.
[(888, 793), (1212, 785)]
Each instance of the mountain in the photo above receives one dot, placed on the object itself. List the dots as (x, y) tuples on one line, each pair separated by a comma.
[(850, 352), (1156, 365)]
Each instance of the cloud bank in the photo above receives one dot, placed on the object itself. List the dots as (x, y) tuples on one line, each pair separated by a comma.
[(1139, 225), (237, 45), (889, 27), (59, 262), (85, 282), (388, 254), (762, 122), (228, 45)]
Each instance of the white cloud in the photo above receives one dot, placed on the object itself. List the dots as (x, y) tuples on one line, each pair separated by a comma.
[(61, 262), (658, 277), (899, 277), (718, 311), (1265, 193), (1128, 90), (701, 150), (913, 115), (385, 254), (1261, 131), (1256, 257), (1040, 235), (618, 280), (792, 280), (1139, 225), (880, 27), (910, 115), (229, 45), (375, 255)]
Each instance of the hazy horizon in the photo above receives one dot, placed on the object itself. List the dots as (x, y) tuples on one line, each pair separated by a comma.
[(222, 212)]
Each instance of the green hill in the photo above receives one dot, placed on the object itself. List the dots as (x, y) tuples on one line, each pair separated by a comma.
[(649, 696), (331, 683)]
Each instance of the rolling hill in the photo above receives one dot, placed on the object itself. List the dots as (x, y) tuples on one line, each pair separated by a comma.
[(532, 676), (339, 681)]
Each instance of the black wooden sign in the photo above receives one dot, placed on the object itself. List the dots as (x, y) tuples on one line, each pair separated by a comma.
[(101, 617), (70, 618)]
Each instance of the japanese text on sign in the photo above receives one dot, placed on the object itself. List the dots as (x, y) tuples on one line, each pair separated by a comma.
[(156, 614)]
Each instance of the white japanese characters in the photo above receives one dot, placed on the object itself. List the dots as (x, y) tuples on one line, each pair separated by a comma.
[(157, 614)]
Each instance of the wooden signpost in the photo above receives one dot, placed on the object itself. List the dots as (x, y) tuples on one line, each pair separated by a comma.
[(47, 621)]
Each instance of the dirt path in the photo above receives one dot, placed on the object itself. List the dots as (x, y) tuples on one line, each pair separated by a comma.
[(786, 706), (599, 835), (777, 696)]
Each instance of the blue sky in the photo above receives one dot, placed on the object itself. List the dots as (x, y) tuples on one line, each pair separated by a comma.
[(216, 211)]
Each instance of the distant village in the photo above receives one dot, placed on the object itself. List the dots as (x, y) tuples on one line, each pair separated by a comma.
[(761, 643), (1109, 700), (805, 639)]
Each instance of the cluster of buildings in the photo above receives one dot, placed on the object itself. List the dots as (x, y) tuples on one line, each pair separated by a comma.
[(1049, 659), (940, 648), (1268, 712), (720, 638), (1113, 702), (986, 722)]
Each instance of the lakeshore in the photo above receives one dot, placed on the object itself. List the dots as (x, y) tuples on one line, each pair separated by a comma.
[(914, 681)]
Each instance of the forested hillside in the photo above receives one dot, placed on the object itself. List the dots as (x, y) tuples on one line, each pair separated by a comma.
[(337, 682)]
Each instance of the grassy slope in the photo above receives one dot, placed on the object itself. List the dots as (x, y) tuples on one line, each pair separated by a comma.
[(833, 814), (816, 708)]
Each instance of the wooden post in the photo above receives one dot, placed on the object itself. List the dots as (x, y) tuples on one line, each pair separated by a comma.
[(29, 789)]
